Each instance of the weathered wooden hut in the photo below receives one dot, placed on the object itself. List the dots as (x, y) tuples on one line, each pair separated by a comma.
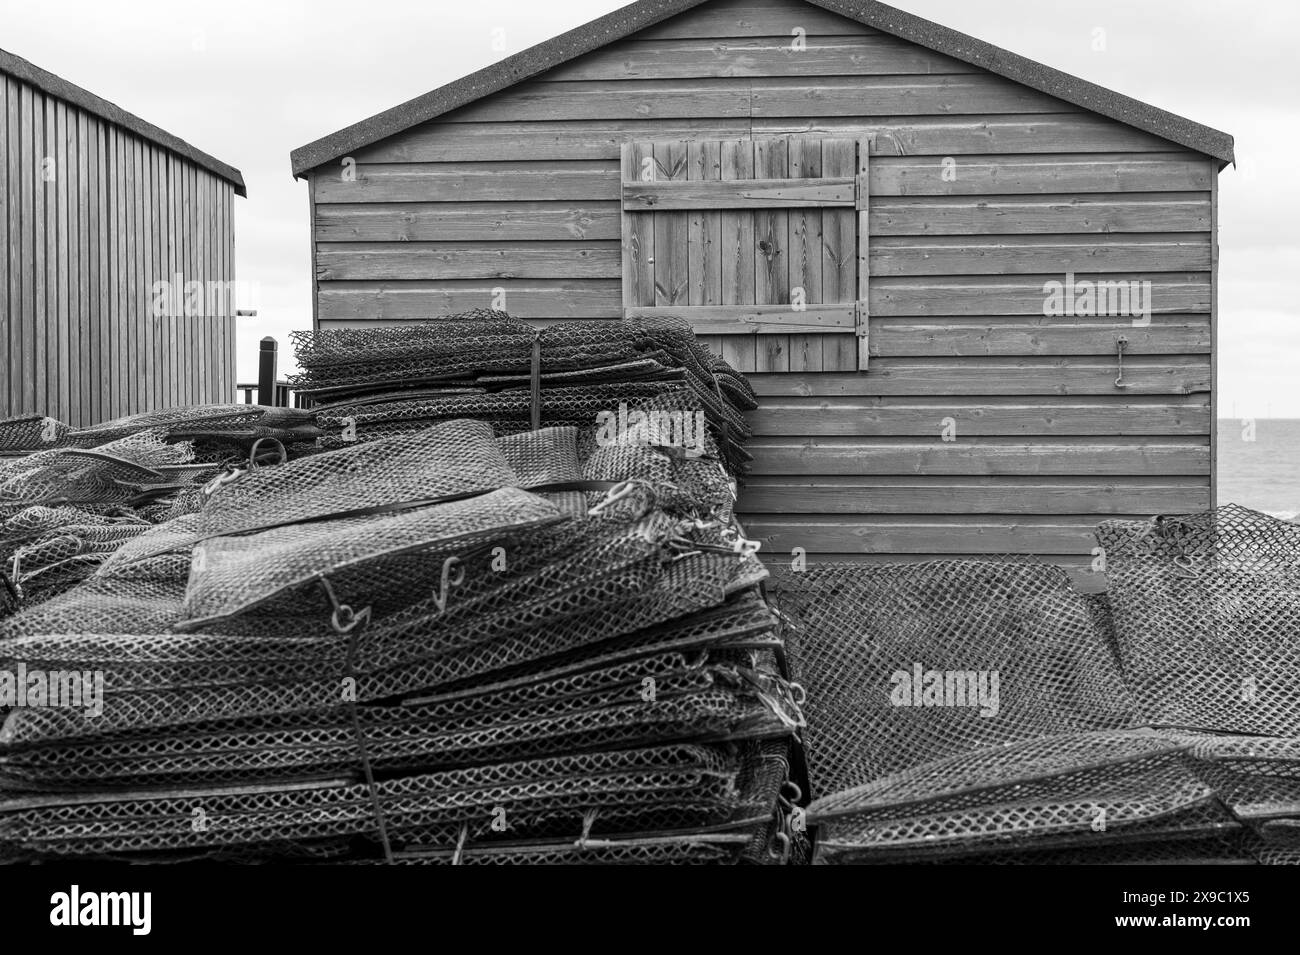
[(976, 294), (117, 257)]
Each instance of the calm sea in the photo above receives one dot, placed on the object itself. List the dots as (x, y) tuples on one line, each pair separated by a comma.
[(1263, 474)]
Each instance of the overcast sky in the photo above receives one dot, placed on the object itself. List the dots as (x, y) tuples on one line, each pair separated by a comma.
[(249, 80)]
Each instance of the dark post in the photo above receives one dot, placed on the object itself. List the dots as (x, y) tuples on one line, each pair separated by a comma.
[(266, 372)]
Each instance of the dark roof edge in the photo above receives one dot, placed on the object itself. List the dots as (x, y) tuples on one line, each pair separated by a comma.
[(637, 16), (1031, 73), (491, 79), (61, 89)]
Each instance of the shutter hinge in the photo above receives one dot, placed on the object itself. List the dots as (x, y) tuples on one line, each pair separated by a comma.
[(862, 328)]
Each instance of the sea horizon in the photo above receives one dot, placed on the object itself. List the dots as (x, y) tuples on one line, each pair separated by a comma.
[(1259, 464)]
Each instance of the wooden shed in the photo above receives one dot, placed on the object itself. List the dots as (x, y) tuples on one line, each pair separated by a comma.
[(976, 294), (117, 257)]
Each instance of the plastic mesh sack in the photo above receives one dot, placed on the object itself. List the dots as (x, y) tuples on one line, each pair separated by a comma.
[(488, 650), (455, 459), (32, 432), (235, 574), (1077, 790), (109, 474), (858, 635), (1206, 608), (619, 791)]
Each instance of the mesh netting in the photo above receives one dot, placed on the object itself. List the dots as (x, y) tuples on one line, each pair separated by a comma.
[(1194, 638), (32, 432), (109, 474), (371, 383), (389, 648), (1206, 610), (217, 430), (905, 664)]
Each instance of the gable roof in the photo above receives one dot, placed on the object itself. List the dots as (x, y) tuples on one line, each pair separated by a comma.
[(645, 13), (60, 88)]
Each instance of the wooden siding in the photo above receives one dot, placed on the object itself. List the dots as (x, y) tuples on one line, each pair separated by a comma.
[(91, 217), (980, 192)]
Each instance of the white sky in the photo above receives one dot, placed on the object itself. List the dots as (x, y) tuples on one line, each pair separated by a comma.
[(249, 80)]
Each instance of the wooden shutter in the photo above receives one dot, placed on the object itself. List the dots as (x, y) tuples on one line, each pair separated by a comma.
[(755, 243)]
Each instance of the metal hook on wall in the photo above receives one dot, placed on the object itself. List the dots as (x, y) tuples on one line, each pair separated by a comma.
[(1120, 343)]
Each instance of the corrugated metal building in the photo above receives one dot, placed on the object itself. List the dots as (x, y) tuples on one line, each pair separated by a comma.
[(117, 270), (976, 294)]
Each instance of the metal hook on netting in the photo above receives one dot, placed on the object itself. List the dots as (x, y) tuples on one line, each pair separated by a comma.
[(446, 580), (350, 624), (344, 619), (221, 480), (615, 494), (1182, 567), (255, 459), (1163, 531), (784, 699)]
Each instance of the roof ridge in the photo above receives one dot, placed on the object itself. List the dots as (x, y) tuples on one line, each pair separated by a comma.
[(83, 99), (637, 16)]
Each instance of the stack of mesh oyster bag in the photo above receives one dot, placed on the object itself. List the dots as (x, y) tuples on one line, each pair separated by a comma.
[(70, 497), (1206, 611), (375, 382), (974, 711), (438, 645)]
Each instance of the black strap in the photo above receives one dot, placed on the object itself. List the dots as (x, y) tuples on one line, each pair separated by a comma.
[(358, 732)]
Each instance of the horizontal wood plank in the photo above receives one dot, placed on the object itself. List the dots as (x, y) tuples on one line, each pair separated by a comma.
[(958, 135), (442, 260), (1037, 335), (777, 97), (940, 495), (385, 301), (755, 18), (1029, 174), (754, 319), (555, 181), (776, 455), (1171, 375), (1029, 254), (1133, 295), (972, 417), (974, 93), (738, 194), (466, 221), (1089, 213), (699, 56), (533, 101), (588, 139), (527, 141)]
